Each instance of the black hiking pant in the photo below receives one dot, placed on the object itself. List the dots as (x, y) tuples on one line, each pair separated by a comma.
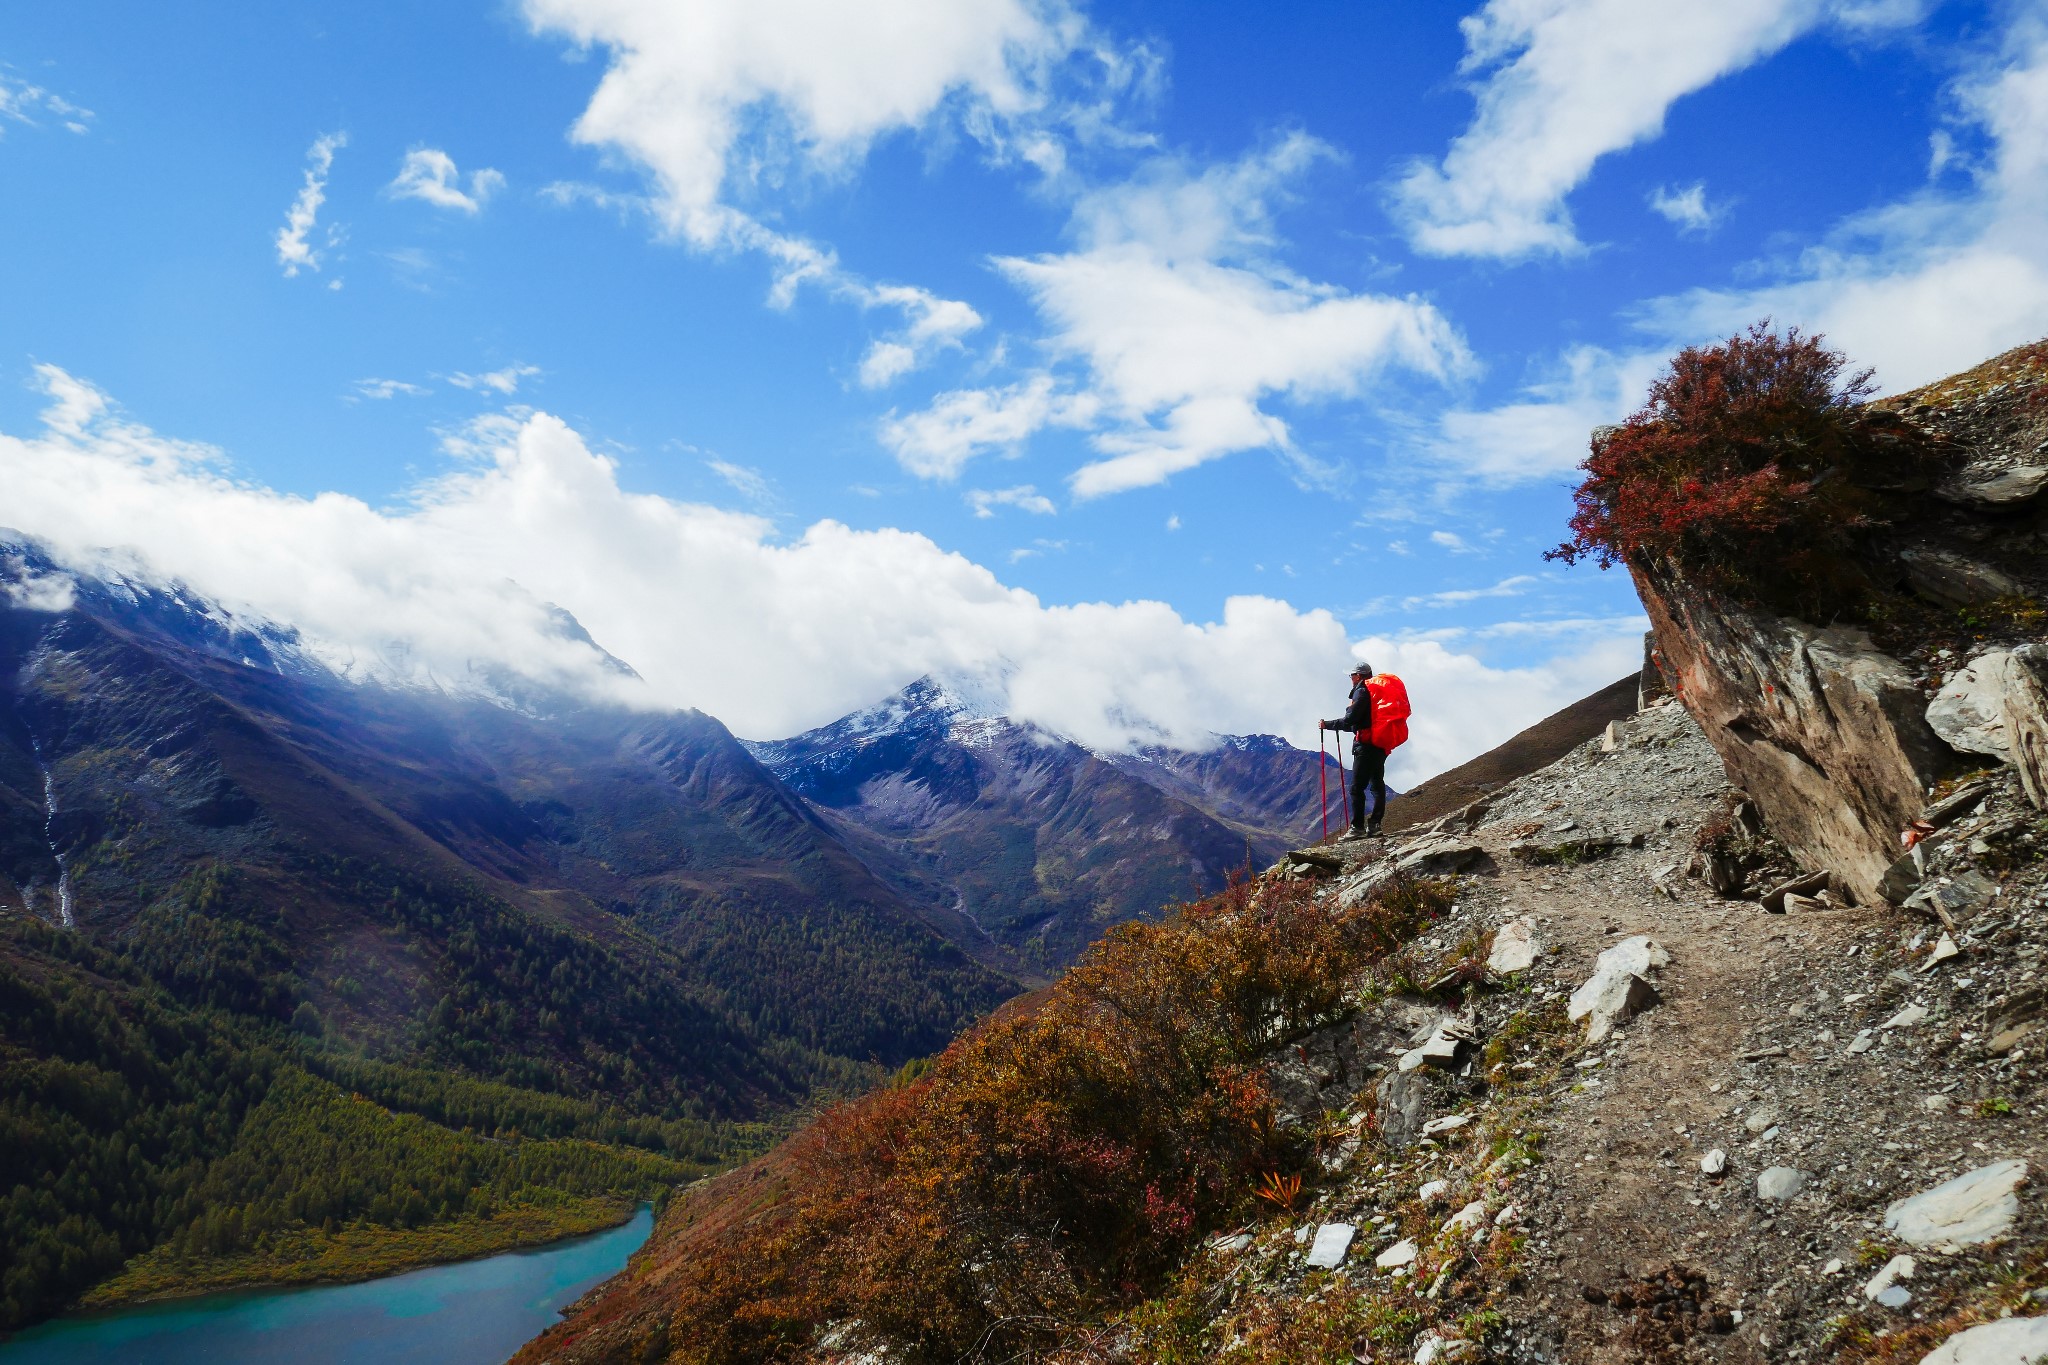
[(1368, 770)]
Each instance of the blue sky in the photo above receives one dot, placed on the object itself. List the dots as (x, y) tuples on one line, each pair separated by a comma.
[(1147, 361)]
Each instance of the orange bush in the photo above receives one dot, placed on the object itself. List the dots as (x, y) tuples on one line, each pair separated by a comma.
[(1049, 1167)]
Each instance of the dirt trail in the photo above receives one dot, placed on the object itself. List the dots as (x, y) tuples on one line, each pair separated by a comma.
[(1769, 1044)]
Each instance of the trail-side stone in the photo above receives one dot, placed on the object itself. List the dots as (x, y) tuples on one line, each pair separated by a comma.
[(1333, 1241), (1952, 899), (1906, 1018), (1884, 1286), (1433, 1190), (1997, 705), (1620, 986), (1825, 732), (1953, 580), (1473, 1215), (1995, 490), (1401, 1096), (1805, 884), (1434, 1348), (1399, 1254), (1514, 947), (1714, 1162), (1779, 1183), (1364, 886), (2012, 1341), (1448, 1123), (1977, 1206), (1441, 854)]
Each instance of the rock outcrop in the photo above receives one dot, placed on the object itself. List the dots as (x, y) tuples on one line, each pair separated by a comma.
[(1997, 705), (1825, 732)]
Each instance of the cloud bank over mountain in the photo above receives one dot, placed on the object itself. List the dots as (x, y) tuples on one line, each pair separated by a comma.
[(711, 607)]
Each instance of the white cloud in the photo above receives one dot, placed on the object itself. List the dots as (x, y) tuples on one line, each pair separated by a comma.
[(938, 442), (1173, 522), (1940, 280), (1507, 587), (294, 252), (429, 175), (932, 324), (505, 381), (750, 484), (1185, 326), (21, 102), (1687, 207), (1561, 83), (721, 100), (1544, 434), (1450, 540), (387, 388), (770, 636), (1024, 498)]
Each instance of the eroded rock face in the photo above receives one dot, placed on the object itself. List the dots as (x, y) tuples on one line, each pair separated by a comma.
[(1825, 732)]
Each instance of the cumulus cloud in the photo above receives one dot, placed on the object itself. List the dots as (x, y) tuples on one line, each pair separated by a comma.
[(1561, 83), (294, 251), (1024, 498), (718, 99), (1183, 325), (1687, 207), (709, 606), (504, 381), (1941, 279), (429, 175)]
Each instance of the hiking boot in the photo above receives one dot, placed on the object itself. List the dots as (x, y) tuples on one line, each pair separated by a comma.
[(1372, 831), (1355, 832)]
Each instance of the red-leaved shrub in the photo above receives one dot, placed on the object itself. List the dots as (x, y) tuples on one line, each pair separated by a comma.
[(1755, 467), (1050, 1166)]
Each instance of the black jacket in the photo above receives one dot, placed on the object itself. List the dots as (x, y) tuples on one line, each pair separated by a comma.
[(1357, 718)]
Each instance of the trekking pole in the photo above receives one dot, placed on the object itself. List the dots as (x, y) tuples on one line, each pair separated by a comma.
[(1343, 785), (1323, 777)]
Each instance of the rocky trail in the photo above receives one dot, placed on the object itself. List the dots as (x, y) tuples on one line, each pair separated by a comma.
[(1701, 1167)]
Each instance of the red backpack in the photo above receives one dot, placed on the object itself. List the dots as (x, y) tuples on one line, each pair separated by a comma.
[(1389, 711)]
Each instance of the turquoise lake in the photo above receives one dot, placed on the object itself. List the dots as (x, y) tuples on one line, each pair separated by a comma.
[(472, 1313)]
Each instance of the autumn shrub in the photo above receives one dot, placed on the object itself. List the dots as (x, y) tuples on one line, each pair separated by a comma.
[(1754, 467), (1052, 1164)]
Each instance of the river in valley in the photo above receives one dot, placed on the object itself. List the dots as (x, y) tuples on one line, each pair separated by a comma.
[(471, 1313)]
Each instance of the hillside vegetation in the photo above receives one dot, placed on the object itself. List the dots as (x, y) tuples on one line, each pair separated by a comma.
[(1052, 1166)]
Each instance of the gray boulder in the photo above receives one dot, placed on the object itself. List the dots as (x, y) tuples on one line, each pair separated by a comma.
[(1779, 1183)]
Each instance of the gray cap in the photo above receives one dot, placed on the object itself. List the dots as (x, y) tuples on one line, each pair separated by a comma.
[(1361, 667)]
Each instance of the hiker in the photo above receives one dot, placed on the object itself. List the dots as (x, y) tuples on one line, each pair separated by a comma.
[(1378, 721)]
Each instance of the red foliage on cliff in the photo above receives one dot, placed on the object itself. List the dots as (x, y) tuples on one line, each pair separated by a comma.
[(1754, 465)]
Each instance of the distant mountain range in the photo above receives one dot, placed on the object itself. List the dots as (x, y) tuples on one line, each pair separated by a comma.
[(857, 892), (1034, 842)]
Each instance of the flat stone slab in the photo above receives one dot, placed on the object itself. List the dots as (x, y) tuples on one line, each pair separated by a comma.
[(1399, 1254), (2013, 1341), (1333, 1241), (1514, 948), (1620, 986), (1976, 1207)]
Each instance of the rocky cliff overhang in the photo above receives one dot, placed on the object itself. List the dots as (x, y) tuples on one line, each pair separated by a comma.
[(1825, 732)]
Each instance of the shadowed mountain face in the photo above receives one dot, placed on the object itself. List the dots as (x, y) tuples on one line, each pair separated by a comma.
[(1035, 841), (589, 900)]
